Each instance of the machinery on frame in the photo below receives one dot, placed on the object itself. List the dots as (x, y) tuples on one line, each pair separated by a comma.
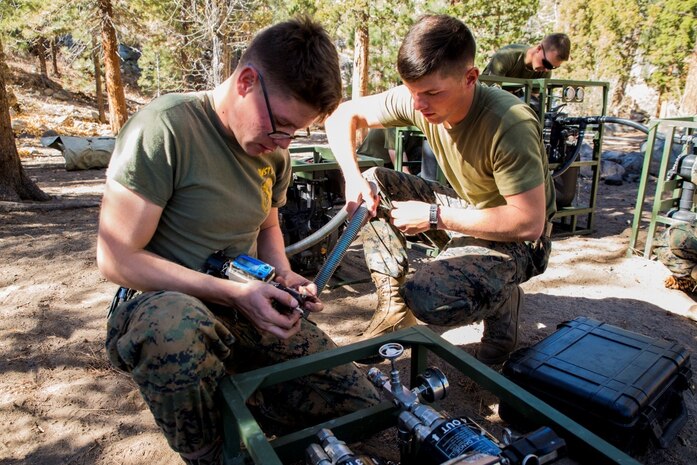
[(311, 204), (429, 437), (685, 169)]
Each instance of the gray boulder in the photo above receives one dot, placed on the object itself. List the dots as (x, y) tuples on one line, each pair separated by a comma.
[(657, 155)]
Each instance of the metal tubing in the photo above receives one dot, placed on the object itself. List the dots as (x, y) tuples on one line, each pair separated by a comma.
[(317, 236)]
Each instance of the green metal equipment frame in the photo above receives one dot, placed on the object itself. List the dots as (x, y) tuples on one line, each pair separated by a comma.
[(667, 194), (245, 442), (567, 218), (308, 160)]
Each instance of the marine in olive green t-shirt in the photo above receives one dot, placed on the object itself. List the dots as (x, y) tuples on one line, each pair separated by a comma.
[(509, 61), (495, 151), (215, 196)]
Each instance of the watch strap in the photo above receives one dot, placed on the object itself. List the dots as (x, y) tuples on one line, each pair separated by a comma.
[(433, 216)]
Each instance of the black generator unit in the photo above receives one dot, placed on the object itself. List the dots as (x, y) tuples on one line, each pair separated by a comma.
[(625, 387)]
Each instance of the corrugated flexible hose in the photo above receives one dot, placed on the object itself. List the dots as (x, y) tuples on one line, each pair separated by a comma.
[(360, 216)]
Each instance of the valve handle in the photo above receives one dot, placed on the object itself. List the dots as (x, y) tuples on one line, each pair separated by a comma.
[(391, 350)]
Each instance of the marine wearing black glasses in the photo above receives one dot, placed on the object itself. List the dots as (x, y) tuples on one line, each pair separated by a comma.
[(525, 62), (194, 173)]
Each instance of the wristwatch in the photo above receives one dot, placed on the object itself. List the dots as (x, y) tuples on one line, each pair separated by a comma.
[(433, 216)]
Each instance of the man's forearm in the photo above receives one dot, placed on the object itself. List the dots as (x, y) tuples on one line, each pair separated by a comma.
[(341, 130), (145, 271), (504, 224)]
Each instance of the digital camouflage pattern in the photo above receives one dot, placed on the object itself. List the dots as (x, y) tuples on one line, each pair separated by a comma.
[(177, 350), (469, 279), (676, 248)]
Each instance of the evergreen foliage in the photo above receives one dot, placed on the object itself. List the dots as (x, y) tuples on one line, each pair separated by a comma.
[(194, 44)]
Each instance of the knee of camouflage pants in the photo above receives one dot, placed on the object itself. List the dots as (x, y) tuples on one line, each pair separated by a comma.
[(384, 246), (174, 348), (469, 280), (177, 350), (683, 241), (438, 296), (675, 247), (396, 185)]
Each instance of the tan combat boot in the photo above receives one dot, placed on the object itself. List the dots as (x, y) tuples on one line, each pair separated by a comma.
[(392, 313), (501, 331)]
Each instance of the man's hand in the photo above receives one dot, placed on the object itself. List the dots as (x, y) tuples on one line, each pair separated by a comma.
[(305, 287), (359, 190), (255, 300), (410, 217)]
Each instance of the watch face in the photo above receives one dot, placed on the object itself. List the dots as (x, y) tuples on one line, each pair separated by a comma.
[(433, 216)]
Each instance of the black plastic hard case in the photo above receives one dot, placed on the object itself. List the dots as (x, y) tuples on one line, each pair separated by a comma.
[(625, 387)]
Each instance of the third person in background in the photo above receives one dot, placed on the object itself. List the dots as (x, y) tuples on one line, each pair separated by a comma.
[(525, 62)]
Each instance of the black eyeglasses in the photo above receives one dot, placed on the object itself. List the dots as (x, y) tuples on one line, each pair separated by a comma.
[(549, 66), (274, 134)]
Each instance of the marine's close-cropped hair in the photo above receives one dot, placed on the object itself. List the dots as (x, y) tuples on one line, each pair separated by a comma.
[(298, 57), (559, 42), (436, 43)]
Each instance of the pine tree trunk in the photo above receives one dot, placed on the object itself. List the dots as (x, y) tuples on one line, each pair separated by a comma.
[(360, 58), (360, 61), (11, 97), (618, 94), (688, 103), (54, 56), (41, 49), (216, 61), (227, 60), (659, 103), (187, 69), (98, 81), (14, 183), (118, 113)]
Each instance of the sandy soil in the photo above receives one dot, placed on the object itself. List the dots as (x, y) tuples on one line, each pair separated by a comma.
[(61, 403)]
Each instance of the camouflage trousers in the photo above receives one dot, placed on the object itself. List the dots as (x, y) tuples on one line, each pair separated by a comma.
[(676, 248), (177, 350), (469, 279)]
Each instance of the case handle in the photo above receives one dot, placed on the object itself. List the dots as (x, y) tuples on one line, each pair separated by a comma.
[(664, 436)]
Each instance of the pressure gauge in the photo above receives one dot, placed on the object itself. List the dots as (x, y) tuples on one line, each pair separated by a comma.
[(580, 94), (568, 94)]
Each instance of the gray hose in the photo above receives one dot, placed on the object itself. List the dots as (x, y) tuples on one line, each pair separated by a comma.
[(317, 236), (582, 122), (626, 122), (360, 216), (605, 119)]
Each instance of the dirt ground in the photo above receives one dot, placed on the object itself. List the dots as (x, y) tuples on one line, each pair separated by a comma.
[(61, 403)]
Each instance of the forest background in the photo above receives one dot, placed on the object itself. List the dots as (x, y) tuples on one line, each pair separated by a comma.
[(60, 402), (645, 49)]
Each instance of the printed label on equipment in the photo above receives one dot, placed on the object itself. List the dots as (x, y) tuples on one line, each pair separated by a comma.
[(455, 437)]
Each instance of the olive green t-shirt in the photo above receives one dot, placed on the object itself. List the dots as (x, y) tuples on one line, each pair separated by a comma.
[(509, 61), (496, 151), (378, 143), (215, 196)]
